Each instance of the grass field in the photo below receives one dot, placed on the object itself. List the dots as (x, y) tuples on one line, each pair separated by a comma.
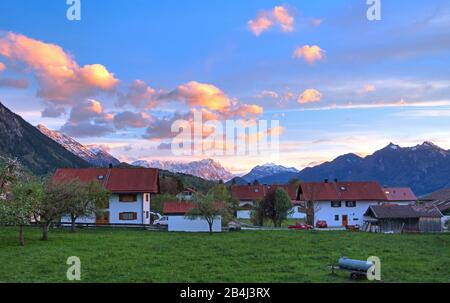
[(274, 256)]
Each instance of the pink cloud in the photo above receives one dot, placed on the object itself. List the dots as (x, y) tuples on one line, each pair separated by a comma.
[(282, 15), (311, 54), (2, 67), (201, 95), (279, 15), (140, 95), (310, 96), (60, 78)]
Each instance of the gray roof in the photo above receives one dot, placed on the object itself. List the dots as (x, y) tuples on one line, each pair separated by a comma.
[(440, 195), (403, 211)]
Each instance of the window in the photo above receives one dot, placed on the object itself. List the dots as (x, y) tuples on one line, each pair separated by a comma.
[(127, 216), (336, 218), (336, 203), (127, 198), (350, 203)]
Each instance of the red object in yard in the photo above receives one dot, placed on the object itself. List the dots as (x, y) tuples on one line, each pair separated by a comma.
[(321, 224), (300, 226)]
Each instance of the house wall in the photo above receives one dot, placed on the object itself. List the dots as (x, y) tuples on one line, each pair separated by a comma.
[(116, 207), (430, 225), (243, 214), (85, 220), (146, 209), (324, 211), (296, 214), (183, 224)]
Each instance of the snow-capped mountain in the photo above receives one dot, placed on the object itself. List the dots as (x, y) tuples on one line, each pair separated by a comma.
[(266, 170), (207, 169), (94, 155)]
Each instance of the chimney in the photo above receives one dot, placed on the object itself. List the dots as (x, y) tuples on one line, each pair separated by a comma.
[(249, 184), (325, 181), (110, 165), (336, 180)]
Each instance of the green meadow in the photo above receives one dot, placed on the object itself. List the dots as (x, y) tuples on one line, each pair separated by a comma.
[(117, 255)]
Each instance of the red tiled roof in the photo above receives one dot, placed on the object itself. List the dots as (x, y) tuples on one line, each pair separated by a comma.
[(248, 192), (258, 192), (116, 180), (183, 207), (341, 191), (400, 194), (177, 208)]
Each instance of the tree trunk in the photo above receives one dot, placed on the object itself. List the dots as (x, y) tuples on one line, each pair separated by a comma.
[(210, 227), (21, 237), (45, 229), (72, 227)]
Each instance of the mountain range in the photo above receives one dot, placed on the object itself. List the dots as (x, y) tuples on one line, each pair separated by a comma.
[(35, 151), (94, 155), (425, 168), (207, 169)]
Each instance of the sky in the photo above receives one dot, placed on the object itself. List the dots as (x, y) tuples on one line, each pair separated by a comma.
[(337, 82)]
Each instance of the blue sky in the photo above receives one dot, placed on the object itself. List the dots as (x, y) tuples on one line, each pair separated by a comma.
[(364, 85)]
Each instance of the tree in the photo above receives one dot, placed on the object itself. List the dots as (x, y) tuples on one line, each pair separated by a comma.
[(10, 171), (221, 193), (19, 209), (258, 214), (52, 206), (207, 208), (84, 199), (276, 206)]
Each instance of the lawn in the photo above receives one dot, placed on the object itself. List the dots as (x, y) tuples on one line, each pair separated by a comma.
[(257, 256)]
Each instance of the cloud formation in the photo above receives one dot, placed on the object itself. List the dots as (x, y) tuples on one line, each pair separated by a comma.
[(2, 67), (88, 119), (53, 112), (310, 96), (139, 95), (14, 83), (61, 80), (310, 54), (196, 94), (129, 119), (279, 15)]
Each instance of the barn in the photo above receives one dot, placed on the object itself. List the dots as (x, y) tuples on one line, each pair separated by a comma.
[(403, 218), (177, 212)]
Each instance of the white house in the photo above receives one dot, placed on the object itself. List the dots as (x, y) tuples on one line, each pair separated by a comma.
[(340, 204), (178, 221), (249, 195), (186, 195), (131, 190)]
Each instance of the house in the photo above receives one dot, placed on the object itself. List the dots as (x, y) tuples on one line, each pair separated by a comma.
[(391, 218), (178, 220), (340, 204), (440, 199), (249, 195), (400, 195), (186, 195), (131, 190)]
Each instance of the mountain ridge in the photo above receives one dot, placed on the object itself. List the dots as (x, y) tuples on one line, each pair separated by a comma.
[(35, 151), (94, 155), (207, 169)]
